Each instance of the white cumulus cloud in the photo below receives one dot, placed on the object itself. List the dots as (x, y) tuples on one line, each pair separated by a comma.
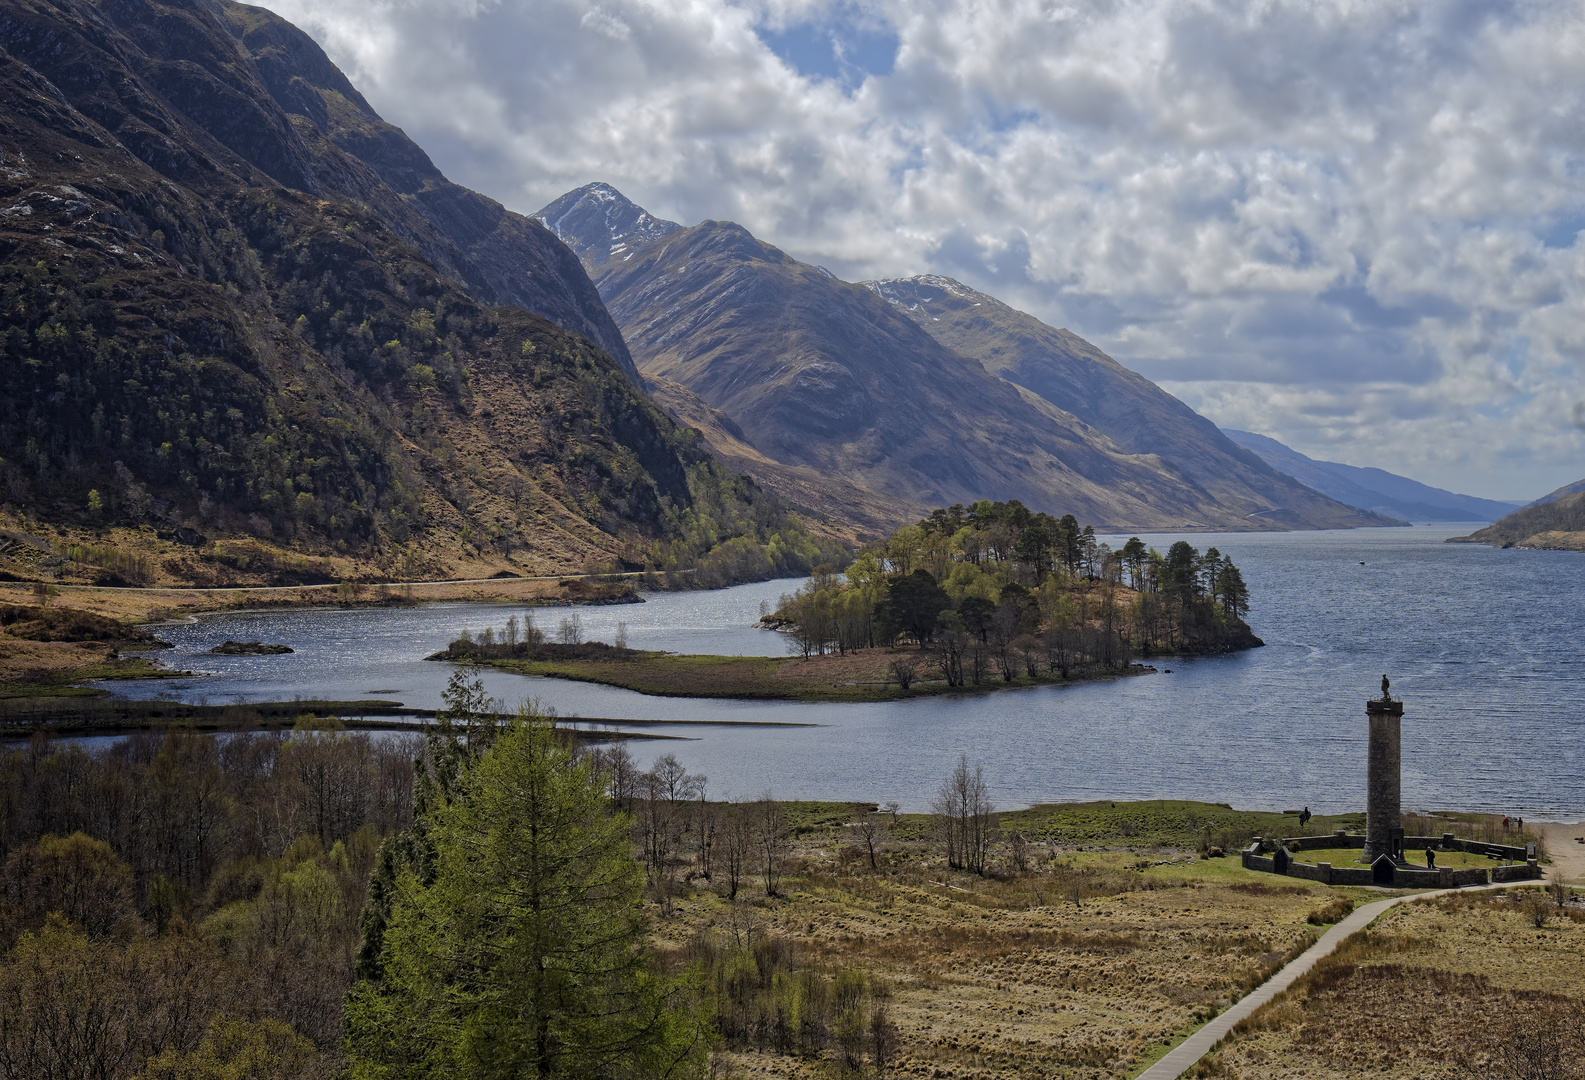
[(1352, 226)]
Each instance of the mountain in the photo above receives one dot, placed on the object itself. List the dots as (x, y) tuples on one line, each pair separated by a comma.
[(1373, 489), (598, 223), (501, 257), (1130, 410), (238, 305), (1566, 489), (1556, 524), (846, 386)]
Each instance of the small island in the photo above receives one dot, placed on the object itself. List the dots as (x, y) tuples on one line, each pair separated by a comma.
[(249, 648), (971, 599)]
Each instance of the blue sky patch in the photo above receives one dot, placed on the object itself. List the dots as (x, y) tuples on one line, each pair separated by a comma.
[(845, 46)]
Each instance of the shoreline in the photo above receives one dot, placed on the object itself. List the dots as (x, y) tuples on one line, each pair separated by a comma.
[(855, 678)]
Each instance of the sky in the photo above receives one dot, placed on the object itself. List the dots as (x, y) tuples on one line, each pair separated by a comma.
[(1352, 226)]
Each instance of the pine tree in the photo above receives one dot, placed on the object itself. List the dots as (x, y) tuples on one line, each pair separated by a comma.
[(521, 954)]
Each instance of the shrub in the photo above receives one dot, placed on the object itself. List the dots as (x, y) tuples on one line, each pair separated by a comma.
[(1333, 911)]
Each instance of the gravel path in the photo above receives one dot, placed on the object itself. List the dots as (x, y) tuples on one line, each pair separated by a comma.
[(1196, 1046)]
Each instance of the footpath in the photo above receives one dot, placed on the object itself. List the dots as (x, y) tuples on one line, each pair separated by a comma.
[(1181, 1057)]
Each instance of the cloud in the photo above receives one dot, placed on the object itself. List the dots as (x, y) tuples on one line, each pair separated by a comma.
[(1354, 226)]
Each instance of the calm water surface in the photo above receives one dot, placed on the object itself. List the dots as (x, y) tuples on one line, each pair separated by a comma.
[(1485, 647)]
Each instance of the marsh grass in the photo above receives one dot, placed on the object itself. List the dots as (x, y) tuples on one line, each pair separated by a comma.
[(1455, 985), (1082, 965)]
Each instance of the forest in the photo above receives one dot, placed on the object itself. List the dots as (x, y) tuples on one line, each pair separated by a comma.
[(474, 901), (992, 590)]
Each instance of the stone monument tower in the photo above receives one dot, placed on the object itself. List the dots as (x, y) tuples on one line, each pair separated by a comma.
[(1383, 799)]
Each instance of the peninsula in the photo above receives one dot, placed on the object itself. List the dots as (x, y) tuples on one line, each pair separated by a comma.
[(970, 599)]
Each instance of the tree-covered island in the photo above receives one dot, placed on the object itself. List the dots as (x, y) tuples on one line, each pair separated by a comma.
[(978, 597)]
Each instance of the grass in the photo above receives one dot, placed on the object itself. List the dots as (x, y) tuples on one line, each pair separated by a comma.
[(1087, 964), (856, 677), (1116, 942), (1164, 823), (1084, 966), (64, 683), (1455, 860), (1380, 1006)]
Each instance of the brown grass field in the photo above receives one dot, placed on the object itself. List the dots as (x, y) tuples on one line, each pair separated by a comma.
[(1423, 994), (860, 675), (1101, 955)]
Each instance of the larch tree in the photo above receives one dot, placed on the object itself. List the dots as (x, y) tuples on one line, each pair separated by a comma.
[(521, 954)]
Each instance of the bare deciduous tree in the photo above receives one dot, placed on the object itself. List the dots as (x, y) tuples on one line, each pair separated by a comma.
[(704, 823), (967, 819), (1558, 887), (1018, 848), (772, 839), (869, 833), (737, 846), (905, 669)]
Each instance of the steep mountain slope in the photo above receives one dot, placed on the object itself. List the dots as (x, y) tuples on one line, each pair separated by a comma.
[(501, 257), (217, 323), (1373, 489), (1558, 524), (828, 505), (1135, 413), (829, 376)]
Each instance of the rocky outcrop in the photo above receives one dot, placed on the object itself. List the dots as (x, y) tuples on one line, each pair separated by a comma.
[(249, 648)]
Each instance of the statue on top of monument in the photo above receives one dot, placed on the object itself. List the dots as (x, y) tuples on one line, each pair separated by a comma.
[(1386, 685)]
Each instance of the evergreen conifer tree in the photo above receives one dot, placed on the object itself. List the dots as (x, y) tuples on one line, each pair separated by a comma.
[(514, 948)]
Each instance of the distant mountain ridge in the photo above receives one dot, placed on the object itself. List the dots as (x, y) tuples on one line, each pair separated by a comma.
[(1134, 413), (1374, 489), (1566, 489), (844, 381)]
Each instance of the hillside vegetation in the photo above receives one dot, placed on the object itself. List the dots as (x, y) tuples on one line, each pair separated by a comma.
[(237, 306), (1557, 525)]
